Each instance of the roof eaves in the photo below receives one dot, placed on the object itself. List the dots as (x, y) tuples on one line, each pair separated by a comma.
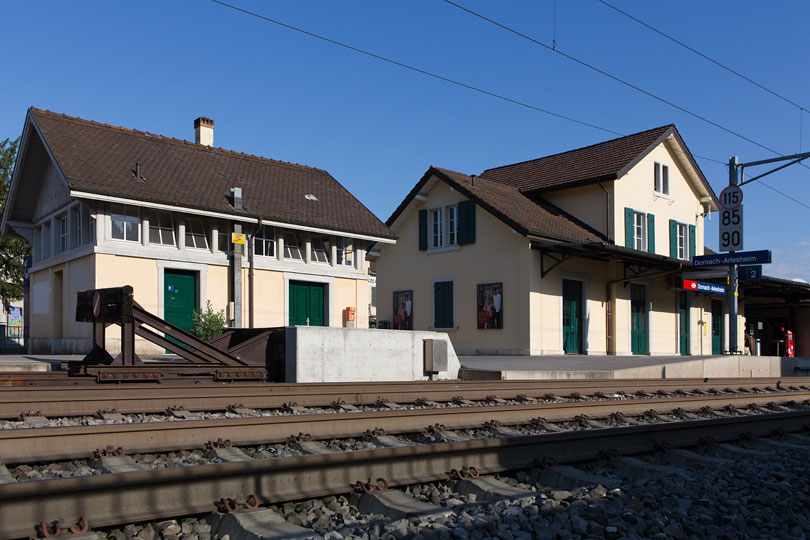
[(568, 185)]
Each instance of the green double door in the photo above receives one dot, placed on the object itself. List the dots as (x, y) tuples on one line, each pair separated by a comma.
[(572, 316), (307, 302), (717, 327), (638, 319), (179, 298)]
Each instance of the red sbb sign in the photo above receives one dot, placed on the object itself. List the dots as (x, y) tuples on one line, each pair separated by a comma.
[(702, 286)]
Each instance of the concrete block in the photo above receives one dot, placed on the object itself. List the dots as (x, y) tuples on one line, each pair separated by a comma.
[(569, 478), (502, 431), (259, 524), (451, 436), (117, 464), (733, 451), (5, 476), (395, 504), (486, 488), (387, 441), (687, 458), (230, 455), (311, 447), (636, 469)]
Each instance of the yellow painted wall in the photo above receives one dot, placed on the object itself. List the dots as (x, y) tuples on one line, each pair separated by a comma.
[(588, 203), (493, 258), (635, 190), (270, 298)]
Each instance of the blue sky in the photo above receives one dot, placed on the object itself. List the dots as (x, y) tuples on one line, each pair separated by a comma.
[(155, 66)]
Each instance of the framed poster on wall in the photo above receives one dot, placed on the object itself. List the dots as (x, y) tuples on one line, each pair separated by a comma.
[(403, 310), (490, 305)]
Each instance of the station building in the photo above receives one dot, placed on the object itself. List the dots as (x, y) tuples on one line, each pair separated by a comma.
[(580, 252), (104, 206)]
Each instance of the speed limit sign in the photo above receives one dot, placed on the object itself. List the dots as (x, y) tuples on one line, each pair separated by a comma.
[(731, 229), (731, 197)]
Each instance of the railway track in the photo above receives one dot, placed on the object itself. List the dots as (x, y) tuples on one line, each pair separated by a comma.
[(110, 499), (59, 401)]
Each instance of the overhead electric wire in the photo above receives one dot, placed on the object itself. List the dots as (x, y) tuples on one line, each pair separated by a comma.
[(475, 88), (417, 70), (610, 76), (706, 57)]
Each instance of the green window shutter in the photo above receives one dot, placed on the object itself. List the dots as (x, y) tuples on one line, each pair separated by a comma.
[(673, 238), (628, 227), (422, 230), (650, 233), (466, 222), (692, 235), (443, 304)]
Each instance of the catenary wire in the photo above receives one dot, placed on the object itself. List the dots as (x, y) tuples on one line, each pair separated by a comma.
[(457, 83), (418, 70), (706, 57), (613, 77)]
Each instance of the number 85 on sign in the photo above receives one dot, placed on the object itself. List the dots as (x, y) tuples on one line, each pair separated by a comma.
[(731, 229)]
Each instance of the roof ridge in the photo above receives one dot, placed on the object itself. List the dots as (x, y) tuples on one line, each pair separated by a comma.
[(175, 140), (667, 126)]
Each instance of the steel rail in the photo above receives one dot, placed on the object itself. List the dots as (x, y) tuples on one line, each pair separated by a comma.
[(57, 443), (136, 398), (113, 499)]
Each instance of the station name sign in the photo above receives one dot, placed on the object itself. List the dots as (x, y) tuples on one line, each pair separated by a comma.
[(762, 256), (702, 286)]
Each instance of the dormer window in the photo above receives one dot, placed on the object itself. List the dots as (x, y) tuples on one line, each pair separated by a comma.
[(661, 182)]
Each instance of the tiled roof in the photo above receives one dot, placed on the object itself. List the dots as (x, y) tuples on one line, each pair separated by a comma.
[(528, 217), (100, 158), (599, 162)]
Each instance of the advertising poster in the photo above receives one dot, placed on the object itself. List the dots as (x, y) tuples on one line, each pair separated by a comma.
[(403, 310), (15, 322), (490, 305)]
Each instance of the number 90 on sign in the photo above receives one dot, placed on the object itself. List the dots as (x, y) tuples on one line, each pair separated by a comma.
[(731, 229)]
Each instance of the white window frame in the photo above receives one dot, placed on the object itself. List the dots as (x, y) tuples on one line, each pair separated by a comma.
[(224, 237), (158, 225), (661, 179), (642, 237), (64, 233), (195, 230), (683, 241), (130, 215), (320, 253), (443, 227), (265, 237), (345, 251), (293, 250)]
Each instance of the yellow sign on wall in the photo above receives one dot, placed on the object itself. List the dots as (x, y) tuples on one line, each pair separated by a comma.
[(238, 238)]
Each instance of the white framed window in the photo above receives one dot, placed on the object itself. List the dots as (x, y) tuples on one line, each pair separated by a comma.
[(224, 238), (63, 234), (443, 223), (264, 243), (661, 182), (125, 223), (640, 231), (161, 229), (76, 226), (683, 241), (196, 236), (321, 248), (345, 252), (292, 246)]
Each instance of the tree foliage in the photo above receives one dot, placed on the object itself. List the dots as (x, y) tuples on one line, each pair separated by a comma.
[(12, 249), (208, 323)]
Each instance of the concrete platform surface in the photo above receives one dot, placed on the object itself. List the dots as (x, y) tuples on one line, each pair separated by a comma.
[(626, 367), (35, 362)]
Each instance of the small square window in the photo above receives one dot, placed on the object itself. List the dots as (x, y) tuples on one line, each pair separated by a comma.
[(321, 249), (126, 224), (196, 236), (292, 246), (265, 242), (161, 229), (345, 252)]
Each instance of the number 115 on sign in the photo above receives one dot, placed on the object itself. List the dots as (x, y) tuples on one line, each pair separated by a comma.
[(731, 229)]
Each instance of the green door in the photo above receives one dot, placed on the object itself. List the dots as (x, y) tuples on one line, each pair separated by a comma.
[(306, 304), (179, 298), (683, 323), (638, 319), (572, 316), (717, 327)]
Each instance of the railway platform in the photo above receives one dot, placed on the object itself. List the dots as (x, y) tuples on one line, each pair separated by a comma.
[(35, 362), (628, 367)]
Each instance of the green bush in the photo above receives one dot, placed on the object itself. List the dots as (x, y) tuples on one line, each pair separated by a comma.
[(208, 323)]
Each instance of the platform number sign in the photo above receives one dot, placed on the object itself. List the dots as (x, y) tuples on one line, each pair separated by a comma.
[(731, 229)]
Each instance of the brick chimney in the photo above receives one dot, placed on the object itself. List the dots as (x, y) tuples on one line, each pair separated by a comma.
[(204, 131)]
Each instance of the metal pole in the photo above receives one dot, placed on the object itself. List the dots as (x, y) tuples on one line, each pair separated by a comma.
[(732, 272)]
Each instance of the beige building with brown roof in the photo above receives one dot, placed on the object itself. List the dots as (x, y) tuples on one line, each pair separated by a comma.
[(580, 252), (105, 206)]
